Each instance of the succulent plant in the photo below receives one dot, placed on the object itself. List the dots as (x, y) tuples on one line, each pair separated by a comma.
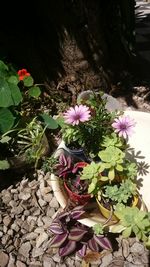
[(68, 235)]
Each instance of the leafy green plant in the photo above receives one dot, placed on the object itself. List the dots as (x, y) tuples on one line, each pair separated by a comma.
[(112, 159), (120, 193), (133, 220), (96, 127), (31, 141)]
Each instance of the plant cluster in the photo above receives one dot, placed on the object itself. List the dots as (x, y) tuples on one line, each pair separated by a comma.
[(107, 174), (71, 236)]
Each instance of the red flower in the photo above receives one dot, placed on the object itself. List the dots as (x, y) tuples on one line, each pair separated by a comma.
[(22, 74)]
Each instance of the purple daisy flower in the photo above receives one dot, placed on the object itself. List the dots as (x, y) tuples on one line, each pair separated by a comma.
[(124, 126), (77, 114)]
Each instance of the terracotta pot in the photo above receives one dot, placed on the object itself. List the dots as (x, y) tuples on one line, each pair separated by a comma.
[(107, 213), (78, 199)]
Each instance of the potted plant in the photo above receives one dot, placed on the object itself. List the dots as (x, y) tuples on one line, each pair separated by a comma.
[(69, 236), (68, 169), (109, 171)]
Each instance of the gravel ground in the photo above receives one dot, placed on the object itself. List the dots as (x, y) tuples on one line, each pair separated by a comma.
[(26, 213)]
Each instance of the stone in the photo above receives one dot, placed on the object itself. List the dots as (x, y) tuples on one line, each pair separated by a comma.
[(13, 203), (20, 264), (31, 218), (54, 203), (6, 198), (125, 248), (17, 210), (40, 239), (57, 258), (50, 212), (24, 196), (10, 232), (46, 220), (3, 259), (5, 229), (11, 262), (7, 220), (137, 248), (10, 248), (39, 230), (1, 233), (48, 198), (106, 260), (30, 236), (39, 221), (15, 227), (0, 218), (42, 202), (25, 225), (25, 249), (36, 212), (47, 262), (26, 213), (36, 252), (5, 239)]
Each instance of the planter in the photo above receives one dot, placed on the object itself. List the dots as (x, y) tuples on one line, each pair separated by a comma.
[(76, 198), (76, 153), (109, 214)]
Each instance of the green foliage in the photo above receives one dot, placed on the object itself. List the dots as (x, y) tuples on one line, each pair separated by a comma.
[(7, 120), (131, 169), (49, 164), (98, 229), (112, 158), (4, 165), (112, 140), (30, 141), (134, 221), (49, 121), (120, 193), (28, 81), (97, 127)]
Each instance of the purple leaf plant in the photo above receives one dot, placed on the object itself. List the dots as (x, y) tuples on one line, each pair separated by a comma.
[(70, 236)]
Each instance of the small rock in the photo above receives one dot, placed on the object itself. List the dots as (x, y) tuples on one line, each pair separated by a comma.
[(40, 239), (47, 262), (1, 233), (125, 247), (46, 220), (39, 221), (17, 242), (25, 249), (39, 230), (5, 239), (48, 198), (4, 259), (24, 196), (15, 227), (106, 260), (42, 203), (20, 264), (0, 218), (57, 258), (13, 203), (25, 225), (36, 212), (5, 229), (50, 212), (6, 197), (145, 258), (54, 203), (26, 213), (137, 248), (29, 236), (10, 248), (7, 220), (17, 210), (11, 260), (36, 252), (10, 232)]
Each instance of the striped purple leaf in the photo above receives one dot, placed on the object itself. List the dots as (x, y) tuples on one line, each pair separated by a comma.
[(68, 248), (56, 228), (58, 240), (82, 251), (103, 242), (92, 244), (77, 214), (76, 234)]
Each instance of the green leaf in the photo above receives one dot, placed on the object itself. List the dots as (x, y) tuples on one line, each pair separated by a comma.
[(5, 139), (34, 91), (6, 120), (3, 66), (28, 81), (60, 121), (5, 94), (4, 165), (16, 94), (49, 121), (119, 168), (111, 174), (127, 232), (13, 79), (117, 228)]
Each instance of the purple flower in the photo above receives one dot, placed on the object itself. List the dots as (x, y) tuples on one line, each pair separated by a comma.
[(124, 126), (77, 114)]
